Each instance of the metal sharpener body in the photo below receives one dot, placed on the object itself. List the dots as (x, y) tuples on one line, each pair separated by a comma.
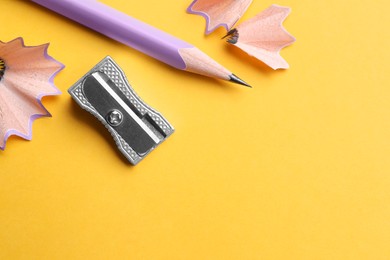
[(136, 127)]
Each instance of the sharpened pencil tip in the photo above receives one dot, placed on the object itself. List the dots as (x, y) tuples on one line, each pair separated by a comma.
[(235, 79)]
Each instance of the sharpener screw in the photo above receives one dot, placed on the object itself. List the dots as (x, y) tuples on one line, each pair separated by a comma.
[(114, 117)]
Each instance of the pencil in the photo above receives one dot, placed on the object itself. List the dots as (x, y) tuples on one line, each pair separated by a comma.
[(140, 36)]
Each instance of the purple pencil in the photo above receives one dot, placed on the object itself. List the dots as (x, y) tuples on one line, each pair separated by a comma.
[(140, 36)]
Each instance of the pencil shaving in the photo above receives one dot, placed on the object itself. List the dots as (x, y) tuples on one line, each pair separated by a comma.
[(263, 36), (27, 74), (219, 13)]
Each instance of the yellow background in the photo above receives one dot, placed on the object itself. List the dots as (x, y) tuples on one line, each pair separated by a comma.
[(295, 168)]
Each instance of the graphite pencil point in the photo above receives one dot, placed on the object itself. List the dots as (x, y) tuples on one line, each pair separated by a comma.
[(237, 80)]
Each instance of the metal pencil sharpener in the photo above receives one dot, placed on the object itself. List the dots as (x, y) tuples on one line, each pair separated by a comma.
[(136, 127)]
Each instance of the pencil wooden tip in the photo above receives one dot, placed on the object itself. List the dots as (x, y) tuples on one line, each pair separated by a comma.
[(237, 80)]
